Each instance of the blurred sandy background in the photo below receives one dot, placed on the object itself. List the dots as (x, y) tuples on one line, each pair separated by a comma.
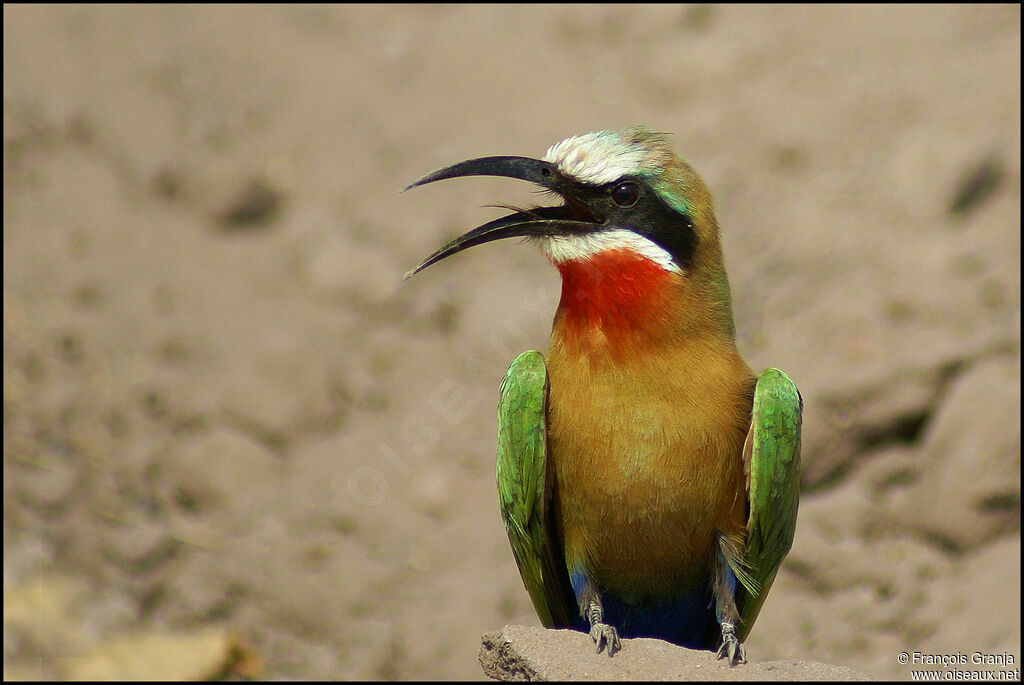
[(222, 407)]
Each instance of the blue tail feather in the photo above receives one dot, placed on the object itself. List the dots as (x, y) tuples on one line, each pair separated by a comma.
[(689, 620)]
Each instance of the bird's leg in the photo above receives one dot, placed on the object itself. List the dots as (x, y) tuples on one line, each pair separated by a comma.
[(727, 613), (591, 609)]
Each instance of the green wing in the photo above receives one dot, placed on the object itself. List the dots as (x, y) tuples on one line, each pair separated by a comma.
[(524, 489), (772, 456)]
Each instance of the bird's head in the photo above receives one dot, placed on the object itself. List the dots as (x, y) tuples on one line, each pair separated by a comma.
[(624, 192)]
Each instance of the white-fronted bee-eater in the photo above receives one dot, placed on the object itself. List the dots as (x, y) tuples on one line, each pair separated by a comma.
[(648, 479)]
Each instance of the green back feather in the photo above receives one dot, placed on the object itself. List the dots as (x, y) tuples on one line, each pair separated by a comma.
[(774, 487), (524, 489)]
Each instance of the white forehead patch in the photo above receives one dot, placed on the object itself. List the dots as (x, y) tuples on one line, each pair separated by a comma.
[(580, 248), (602, 157)]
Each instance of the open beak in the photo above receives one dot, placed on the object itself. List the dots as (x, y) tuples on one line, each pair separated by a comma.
[(571, 218)]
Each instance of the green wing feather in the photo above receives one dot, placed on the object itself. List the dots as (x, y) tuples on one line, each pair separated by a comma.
[(772, 456), (524, 489)]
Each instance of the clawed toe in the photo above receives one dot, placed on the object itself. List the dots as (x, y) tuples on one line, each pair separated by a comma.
[(605, 636), (731, 647)]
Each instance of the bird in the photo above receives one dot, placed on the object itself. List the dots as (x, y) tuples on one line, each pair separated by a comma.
[(648, 480)]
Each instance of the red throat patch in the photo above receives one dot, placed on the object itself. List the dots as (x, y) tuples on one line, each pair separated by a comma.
[(618, 292)]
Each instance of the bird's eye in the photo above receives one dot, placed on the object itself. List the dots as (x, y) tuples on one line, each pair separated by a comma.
[(625, 194)]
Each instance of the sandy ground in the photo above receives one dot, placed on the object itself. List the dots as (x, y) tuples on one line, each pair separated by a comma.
[(222, 407)]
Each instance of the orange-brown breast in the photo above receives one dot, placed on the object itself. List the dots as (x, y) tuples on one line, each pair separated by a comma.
[(646, 424)]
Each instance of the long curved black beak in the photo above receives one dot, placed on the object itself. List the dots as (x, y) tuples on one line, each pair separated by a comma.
[(535, 223), (524, 168)]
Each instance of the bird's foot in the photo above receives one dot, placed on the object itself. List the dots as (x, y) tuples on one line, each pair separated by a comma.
[(731, 647), (605, 636)]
